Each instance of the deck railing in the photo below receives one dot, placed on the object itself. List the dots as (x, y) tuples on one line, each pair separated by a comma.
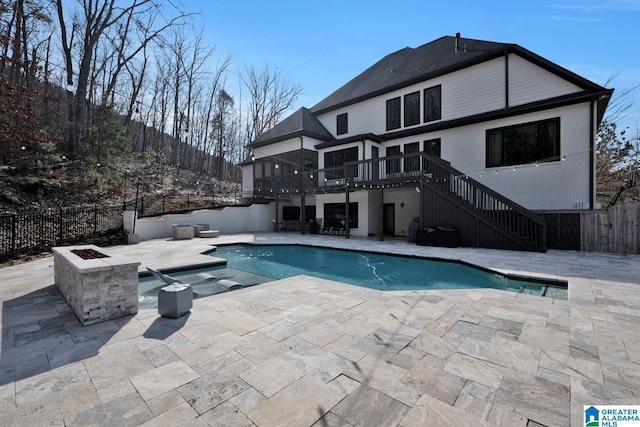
[(524, 228)]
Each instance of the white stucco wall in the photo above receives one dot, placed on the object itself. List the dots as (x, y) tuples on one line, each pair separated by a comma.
[(253, 218)]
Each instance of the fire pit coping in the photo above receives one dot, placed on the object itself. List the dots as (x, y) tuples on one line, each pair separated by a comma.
[(90, 265)]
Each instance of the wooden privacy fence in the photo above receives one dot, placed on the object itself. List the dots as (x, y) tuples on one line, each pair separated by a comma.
[(38, 231), (615, 230)]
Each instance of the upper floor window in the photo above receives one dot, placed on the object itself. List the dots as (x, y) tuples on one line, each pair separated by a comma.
[(412, 109), (393, 113), (432, 147), (412, 160), (393, 164), (524, 143), (334, 160), (432, 104), (342, 124)]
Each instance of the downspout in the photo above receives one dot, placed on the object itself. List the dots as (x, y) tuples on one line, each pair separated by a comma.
[(592, 153)]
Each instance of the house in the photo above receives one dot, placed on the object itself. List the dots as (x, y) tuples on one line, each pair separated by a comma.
[(472, 134)]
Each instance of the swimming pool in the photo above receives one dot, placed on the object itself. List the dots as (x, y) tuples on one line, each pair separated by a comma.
[(256, 264), (374, 270)]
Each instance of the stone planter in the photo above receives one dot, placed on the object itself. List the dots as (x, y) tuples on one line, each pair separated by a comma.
[(97, 287)]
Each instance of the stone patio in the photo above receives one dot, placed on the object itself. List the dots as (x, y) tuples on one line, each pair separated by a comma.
[(311, 352)]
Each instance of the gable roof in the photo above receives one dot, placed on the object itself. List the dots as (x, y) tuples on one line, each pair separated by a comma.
[(414, 65), (439, 57), (300, 123)]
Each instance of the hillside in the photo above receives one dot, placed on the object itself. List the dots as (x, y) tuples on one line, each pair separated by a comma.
[(74, 185)]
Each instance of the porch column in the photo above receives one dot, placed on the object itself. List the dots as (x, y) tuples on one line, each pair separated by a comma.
[(420, 189), (347, 229), (381, 213), (302, 216), (276, 228)]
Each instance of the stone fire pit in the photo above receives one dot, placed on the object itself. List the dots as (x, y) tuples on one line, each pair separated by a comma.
[(97, 286)]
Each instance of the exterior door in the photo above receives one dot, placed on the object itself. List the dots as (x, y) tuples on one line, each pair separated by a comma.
[(389, 219)]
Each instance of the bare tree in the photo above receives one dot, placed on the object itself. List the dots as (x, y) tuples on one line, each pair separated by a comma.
[(96, 18), (617, 147), (221, 126), (270, 95)]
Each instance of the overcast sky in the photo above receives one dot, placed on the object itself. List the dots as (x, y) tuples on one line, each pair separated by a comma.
[(320, 45)]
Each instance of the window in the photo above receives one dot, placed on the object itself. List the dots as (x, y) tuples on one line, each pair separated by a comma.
[(342, 124), (393, 113), (432, 104), (412, 163), (393, 165), (335, 215), (525, 143), (412, 109), (279, 172), (432, 147), (336, 159)]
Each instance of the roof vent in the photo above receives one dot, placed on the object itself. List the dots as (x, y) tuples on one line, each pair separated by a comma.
[(457, 46)]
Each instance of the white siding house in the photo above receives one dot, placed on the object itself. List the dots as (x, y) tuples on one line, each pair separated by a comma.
[(505, 119)]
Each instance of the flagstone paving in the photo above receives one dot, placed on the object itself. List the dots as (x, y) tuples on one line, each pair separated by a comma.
[(311, 352)]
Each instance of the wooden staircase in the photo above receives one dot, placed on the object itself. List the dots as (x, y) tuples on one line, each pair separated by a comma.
[(482, 217)]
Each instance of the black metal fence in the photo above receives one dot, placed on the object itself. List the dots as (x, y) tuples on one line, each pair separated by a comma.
[(159, 205), (38, 231)]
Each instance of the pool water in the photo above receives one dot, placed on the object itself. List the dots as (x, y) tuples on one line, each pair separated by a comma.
[(372, 270), (255, 264), (204, 282)]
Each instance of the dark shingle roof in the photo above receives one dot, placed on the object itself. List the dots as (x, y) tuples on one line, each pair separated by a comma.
[(300, 123), (439, 57), (406, 67)]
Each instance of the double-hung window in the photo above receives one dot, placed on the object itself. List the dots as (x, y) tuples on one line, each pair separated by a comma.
[(393, 113), (342, 124), (334, 162), (432, 104), (412, 109), (525, 143)]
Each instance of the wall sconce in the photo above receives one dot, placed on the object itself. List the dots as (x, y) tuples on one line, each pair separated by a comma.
[(402, 204)]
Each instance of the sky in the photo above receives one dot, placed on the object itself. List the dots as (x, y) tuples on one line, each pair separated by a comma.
[(321, 45)]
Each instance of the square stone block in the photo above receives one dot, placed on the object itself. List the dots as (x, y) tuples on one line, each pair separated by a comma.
[(182, 231), (175, 300)]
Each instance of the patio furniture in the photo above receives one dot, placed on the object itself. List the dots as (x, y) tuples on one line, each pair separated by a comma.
[(198, 228), (182, 231), (441, 236), (175, 300), (209, 233)]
